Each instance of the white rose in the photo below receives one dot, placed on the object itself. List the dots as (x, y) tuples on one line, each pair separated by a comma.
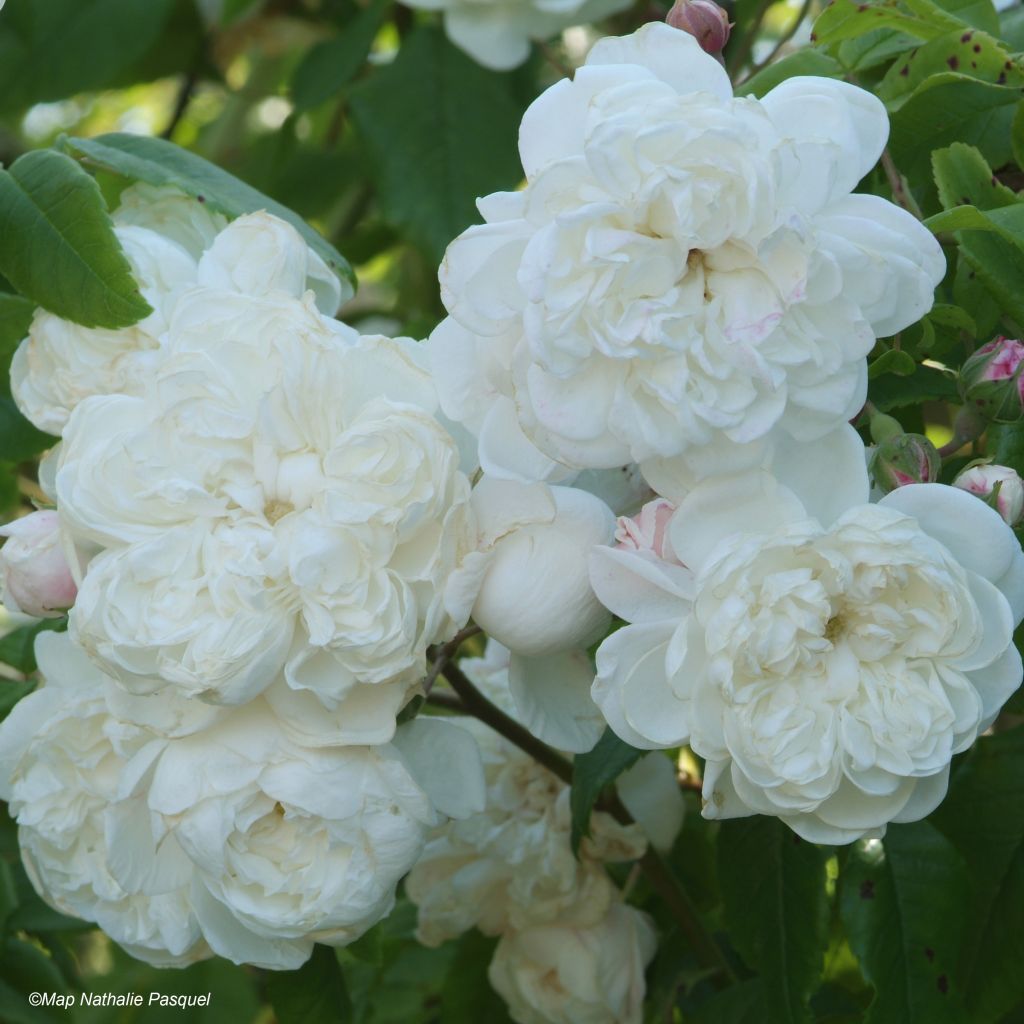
[(292, 845), (63, 750), (168, 211), (560, 974), (682, 266), (497, 33), (282, 497), (983, 480), (511, 865), (33, 567), (61, 363), (827, 669)]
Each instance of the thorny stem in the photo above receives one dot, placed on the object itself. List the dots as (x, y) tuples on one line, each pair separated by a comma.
[(654, 868)]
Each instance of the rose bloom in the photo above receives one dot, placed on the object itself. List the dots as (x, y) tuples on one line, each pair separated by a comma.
[(983, 480), (826, 667), (497, 33), (282, 497), (34, 572), (681, 266), (561, 974), (511, 865), (172, 242), (63, 752), (185, 830)]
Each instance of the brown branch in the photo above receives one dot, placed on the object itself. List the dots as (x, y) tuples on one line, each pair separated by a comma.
[(900, 193), (185, 93)]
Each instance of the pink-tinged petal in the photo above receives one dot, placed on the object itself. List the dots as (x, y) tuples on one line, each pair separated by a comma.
[(640, 588)]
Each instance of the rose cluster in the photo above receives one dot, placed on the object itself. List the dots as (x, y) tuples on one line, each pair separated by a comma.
[(674, 315), (570, 949), (260, 514)]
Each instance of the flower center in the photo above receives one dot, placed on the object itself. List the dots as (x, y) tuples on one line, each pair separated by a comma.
[(277, 509)]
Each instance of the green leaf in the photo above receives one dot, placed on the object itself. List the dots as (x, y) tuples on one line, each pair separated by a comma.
[(925, 384), (1017, 136), (457, 142), (894, 361), (28, 968), (742, 1003), (467, 996), (992, 243), (15, 319), (8, 896), (947, 108), (964, 178), (803, 62), (54, 49), (19, 440), (314, 994), (974, 54), (159, 162), (329, 66), (903, 903), (776, 908), (1006, 445), (591, 772), (849, 19), (983, 817), (17, 648), (58, 247)]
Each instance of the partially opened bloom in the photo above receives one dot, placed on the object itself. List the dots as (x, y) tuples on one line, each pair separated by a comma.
[(826, 667), (566, 974), (682, 266), (1001, 486), (35, 578)]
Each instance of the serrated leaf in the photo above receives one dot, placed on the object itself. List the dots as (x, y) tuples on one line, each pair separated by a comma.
[(849, 19), (159, 162), (776, 907), (314, 994), (803, 62), (972, 53), (903, 903), (330, 65), (947, 108), (442, 131), (964, 178), (591, 772), (58, 247), (983, 817)]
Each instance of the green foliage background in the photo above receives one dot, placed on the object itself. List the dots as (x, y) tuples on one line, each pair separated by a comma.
[(364, 120)]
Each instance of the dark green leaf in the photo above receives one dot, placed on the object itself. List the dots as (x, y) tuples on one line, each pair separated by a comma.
[(894, 361), (591, 772), (983, 816), (314, 994), (923, 385), (1006, 445), (443, 132), (17, 649), (803, 62), (467, 996), (11, 691), (54, 49), (57, 243), (159, 162), (849, 19), (330, 65), (964, 178), (738, 1004), (776, 907), (903, 904), (947, 108)]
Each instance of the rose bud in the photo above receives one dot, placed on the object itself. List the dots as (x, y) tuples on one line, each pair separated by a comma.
[(704, 20), (36, 577), (1000, 486), (991, 380), (905, 459)]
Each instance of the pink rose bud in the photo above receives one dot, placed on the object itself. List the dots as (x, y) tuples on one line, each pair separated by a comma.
[(1000, 486), (905, 459), (647, 531), (992, 380), (704, 20), (36, 578)]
